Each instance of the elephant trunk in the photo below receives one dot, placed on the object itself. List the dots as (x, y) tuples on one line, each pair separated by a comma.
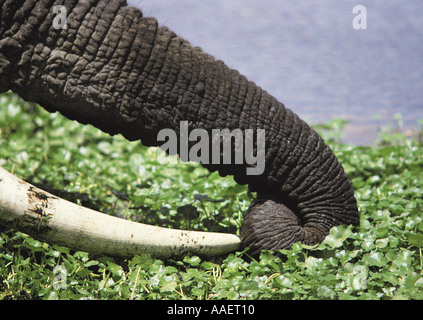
[(113, 68)]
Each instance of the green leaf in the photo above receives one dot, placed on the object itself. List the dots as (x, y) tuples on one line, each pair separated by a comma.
[(61, 249), (232, 295), (337, 236), (375, 259), (83, 272), (52, 296), (169, 284), (188, 211), (197, 292), (115, 269), (415, 239), (207, 265), (193, 261), (91, 263), (373, 180), (326, 292)]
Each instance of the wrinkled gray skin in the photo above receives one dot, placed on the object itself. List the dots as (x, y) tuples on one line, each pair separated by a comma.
[(117, 70)]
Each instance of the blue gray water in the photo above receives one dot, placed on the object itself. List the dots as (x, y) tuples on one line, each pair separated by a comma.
[(308, 55)]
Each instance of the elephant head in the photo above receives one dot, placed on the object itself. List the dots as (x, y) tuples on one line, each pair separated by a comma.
[(111, 67)]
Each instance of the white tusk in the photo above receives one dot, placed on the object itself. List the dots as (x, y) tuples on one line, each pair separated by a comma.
[(58, 221)]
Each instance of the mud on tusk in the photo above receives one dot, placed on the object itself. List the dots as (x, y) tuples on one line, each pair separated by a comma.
[(58, 221)]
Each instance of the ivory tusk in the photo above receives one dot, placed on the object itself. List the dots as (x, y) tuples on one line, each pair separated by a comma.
[(58, 221)]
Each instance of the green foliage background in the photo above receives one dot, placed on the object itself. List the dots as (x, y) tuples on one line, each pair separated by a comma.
[(381, 259)]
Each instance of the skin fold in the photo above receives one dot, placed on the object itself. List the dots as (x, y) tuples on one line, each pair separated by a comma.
[(122, 73)]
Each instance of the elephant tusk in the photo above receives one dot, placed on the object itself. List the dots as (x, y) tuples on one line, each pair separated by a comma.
[(58, 221)]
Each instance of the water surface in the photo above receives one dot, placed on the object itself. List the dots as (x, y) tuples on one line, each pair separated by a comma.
[(308, 55)]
